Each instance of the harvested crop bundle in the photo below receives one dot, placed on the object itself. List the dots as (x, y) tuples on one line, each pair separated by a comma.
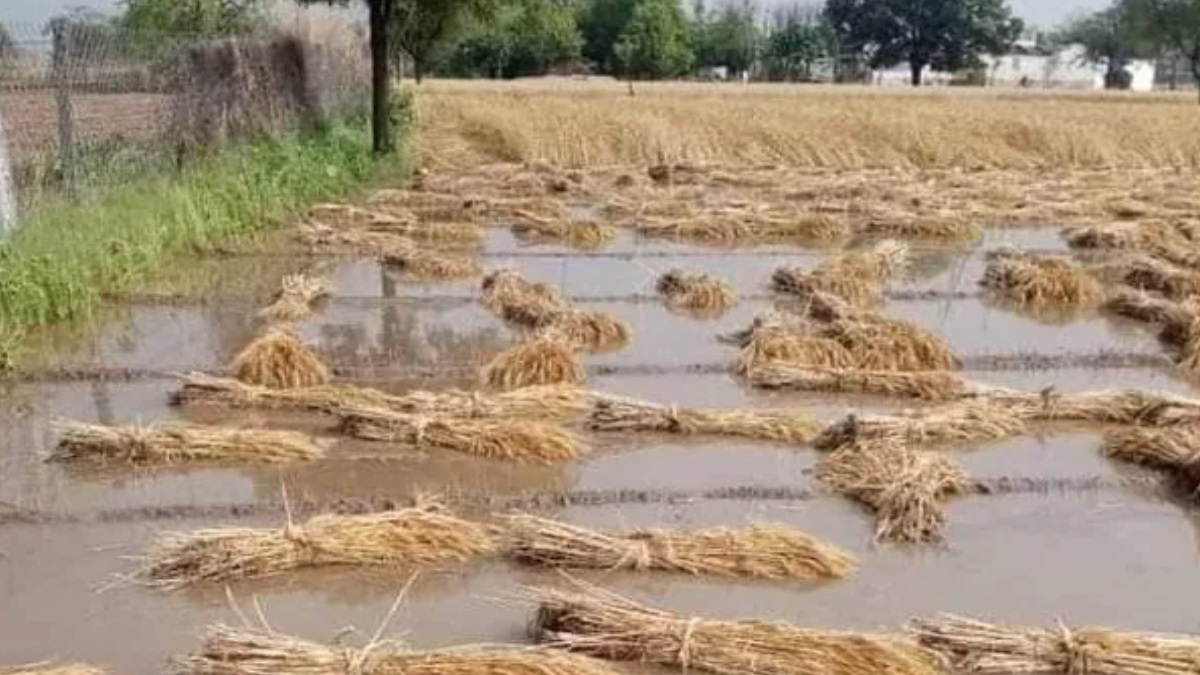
[(991, 649), (1051, 281), (430, 265), (1174, 317), (1107, 236), (449, 229), (277, 359), (507, 287), (570, 233), (1175, 451), (548, 358), (295, 298), (946, 228), (254, 651), (953, 423), (782, 346), (164, 444), (415, 536), (594, 331), (730, 227), (517, 440), (1146, 273), (876, 343), (603, 624), (929, 385), (698, 292), (544, 402), (768, 552), (49, 668), (856, 278), (1131, 408), (903, 485), (619, 414)]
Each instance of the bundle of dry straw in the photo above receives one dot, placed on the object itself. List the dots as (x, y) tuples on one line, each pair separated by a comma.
[(415, 536), (621, 414), (594, 331), (430, 265), (48, 668), (511, 439), (295, 299), (1131, 408), (278, 360), (507, 288), (972, 646), (1175, 451), (1051, 281), (533, 228), (857, 278), (726, 227), (403, 222), (953, 423), (927, 385), (903, 485), (1146, 273), (765, 551), (696, 292), (603, 624), (261, 651), (182, 443), (548, 358), (544, 402)]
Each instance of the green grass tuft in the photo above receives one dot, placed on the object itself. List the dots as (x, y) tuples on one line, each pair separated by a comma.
[(68, 256)]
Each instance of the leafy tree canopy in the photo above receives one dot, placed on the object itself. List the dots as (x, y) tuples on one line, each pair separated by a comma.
[(656, 42)]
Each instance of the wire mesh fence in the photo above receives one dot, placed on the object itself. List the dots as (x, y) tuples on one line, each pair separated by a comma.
[(87, 106)]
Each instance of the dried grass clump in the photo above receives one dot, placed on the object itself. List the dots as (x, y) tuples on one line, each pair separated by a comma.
[(975, 646), (510, 439), (728, 227), (699, 292), (765, 551), (401, 222), (927, 228), (1129, 408), (254, 651), (928, 385), (1146, 273), (1041, 282), (594, 331), (1176, 451), (508, 293), (903, 485), (548, 358), (278, 360), (791, 344), (856, 278), (1175, 319), (1107, 236), (954, 423), (622, 415), (600, 623), (571, 233), (165, 444), (430, 265), (49, 668), (295, 299), (546, 402), (414, 536), (876, 343)]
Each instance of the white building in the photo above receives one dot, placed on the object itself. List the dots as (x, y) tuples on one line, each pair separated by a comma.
[(1065, 70)]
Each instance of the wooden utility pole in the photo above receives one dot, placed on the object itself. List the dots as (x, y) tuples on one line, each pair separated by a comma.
[(381, 77)]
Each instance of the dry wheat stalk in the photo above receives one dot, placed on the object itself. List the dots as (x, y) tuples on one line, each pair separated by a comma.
[(278, 360), (181, 443), (972, 646), (52, 668), (698, 292), (1175, 450), (295, 298), (599, 623), (927, 385), (548, 358), (1041, 281), (952, 423), (620, 414), (763, 551), (511, 439)]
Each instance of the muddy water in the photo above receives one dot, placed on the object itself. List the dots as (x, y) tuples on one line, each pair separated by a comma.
[(1104, 551)]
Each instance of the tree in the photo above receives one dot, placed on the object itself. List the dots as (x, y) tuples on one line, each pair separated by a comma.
[(796, 38), (602, 22), (1108, 37), (525, 37), (656, 42), (1174, 24), (729, 37), (421, 27), (946, 35), (157, 21)]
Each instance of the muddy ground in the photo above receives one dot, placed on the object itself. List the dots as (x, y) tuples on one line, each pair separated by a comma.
[(1073, 537)]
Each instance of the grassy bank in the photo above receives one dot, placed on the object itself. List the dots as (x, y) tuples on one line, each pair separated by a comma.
[(68, 256)]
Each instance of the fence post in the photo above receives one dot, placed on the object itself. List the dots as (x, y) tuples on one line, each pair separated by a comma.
[(62, 95)]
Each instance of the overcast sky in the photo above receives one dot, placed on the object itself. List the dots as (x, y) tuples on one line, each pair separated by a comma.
[(1037, 12)]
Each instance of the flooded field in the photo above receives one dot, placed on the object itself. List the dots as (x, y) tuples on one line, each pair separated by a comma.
[(1049, 528)]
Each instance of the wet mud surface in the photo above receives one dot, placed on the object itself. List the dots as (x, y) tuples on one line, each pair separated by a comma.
[(1051, 529)]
